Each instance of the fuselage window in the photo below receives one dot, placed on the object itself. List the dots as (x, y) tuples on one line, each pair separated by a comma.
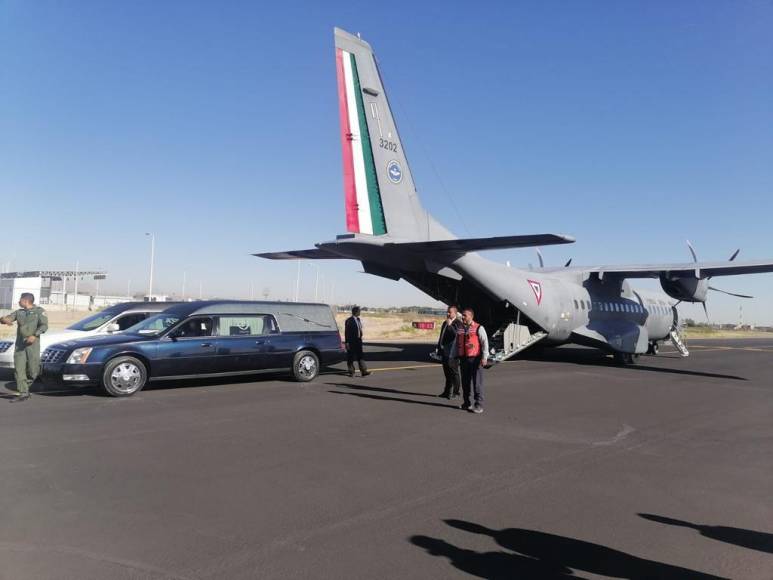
[(582, 304)]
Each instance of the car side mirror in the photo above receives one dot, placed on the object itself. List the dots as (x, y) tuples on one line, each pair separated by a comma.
[(113, 327)]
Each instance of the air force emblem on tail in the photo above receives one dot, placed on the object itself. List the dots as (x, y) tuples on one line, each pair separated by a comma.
[(394, 172), (537, 289)]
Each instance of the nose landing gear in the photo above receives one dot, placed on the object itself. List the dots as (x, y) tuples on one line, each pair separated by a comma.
[(626, 358)]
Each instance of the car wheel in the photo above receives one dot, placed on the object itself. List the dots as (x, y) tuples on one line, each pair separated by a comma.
[(124, 376), (305, 366), (654, 348)]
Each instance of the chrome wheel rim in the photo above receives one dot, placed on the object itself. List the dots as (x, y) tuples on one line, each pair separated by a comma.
[(126, 378), (307, 367)]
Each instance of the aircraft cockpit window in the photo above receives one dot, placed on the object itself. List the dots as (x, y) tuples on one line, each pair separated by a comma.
[(576, 306), (582, 304)]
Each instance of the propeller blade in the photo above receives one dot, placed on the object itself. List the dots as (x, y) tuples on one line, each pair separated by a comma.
[(541, 260), (567, 263), (735, 254), (706, 310), (692, 251), (730, 293)]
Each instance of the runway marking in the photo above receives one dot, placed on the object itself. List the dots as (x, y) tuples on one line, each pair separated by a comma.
[(622, 434), (700, 348), (422, 366)]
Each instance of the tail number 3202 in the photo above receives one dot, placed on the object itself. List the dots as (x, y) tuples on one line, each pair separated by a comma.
[(388, 145)]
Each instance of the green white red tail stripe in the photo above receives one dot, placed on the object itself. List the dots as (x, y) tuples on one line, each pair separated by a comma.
[(364, 211)]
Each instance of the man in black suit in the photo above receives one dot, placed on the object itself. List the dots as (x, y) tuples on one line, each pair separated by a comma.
[(353, 340), (445, 348)]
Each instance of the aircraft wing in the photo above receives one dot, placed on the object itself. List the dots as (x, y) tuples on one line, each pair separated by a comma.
[(698, 269), (312, 254), (476, 244)]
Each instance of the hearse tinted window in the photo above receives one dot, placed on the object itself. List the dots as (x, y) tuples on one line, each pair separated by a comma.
[(194, 327), (246, 325), (130, 320)]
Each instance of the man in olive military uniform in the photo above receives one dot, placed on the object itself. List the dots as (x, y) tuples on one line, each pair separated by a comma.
[(31, 322)]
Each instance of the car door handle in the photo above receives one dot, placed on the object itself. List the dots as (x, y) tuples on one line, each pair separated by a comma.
[(260, 342), (206, 344)]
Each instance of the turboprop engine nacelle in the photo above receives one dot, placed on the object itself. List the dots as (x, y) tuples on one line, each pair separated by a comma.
[(686, 289)]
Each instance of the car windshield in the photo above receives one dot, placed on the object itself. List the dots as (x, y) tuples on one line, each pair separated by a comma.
[(154, 325), (94, 321)]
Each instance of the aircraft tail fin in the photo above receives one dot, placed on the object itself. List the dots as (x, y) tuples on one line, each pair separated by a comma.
[(379, 190)]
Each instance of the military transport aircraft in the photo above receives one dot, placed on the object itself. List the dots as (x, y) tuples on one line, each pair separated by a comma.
[(393, 236)]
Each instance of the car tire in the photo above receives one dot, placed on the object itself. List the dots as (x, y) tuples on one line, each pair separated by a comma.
[(124, 376), (305, 366)]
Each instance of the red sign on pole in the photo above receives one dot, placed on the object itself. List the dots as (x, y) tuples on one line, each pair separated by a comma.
[(424, 325)]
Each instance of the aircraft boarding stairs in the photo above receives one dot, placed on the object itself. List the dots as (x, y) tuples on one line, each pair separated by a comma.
[(511, 339), (677, 340)]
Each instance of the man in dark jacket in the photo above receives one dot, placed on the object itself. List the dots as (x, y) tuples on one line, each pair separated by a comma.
[(353, 340), (445, 349)]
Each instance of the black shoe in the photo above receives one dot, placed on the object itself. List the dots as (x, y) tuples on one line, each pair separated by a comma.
[(20, 398), (350, 373), (445, 395), (364, 374), (477, 409), (464, 407)]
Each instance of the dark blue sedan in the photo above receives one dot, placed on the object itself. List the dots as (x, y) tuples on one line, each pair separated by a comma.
[(202, 339)]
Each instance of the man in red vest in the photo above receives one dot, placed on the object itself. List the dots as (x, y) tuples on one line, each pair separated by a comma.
[(472, 352)]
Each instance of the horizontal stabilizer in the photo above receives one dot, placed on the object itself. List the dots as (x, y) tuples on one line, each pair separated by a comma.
[(313, 254), (477, 244)]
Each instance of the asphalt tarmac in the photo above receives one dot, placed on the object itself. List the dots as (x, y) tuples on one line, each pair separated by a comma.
[(577, 468)]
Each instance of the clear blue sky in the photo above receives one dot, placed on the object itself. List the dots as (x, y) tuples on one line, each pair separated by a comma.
[(630, 125)]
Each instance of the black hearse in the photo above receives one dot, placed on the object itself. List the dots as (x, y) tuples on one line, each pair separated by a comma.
[(202, 339)]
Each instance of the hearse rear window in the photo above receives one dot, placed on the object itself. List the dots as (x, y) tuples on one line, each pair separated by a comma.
[(247, 325)]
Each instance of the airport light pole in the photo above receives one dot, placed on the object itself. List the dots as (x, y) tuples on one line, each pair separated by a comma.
[(298, 281), (316, 283), (152, 259), (75, 297)]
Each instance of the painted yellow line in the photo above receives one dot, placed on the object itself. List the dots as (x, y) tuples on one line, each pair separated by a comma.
[(436, 365)]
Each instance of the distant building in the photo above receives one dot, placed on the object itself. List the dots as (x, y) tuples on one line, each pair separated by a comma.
[(53, 288), (156, 298)]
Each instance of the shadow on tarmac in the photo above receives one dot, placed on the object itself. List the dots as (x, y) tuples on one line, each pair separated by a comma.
[(58, 390), (593, 357), (395, 399), (407, 352), (534, 554), (378, 389), (760, 541)]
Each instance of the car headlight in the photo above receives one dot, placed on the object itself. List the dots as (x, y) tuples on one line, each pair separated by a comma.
[(79, 356)]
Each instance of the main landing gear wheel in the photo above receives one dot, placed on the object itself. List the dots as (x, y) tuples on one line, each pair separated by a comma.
[(626, 358), (653, 349), (124, 376), (305, 366)]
